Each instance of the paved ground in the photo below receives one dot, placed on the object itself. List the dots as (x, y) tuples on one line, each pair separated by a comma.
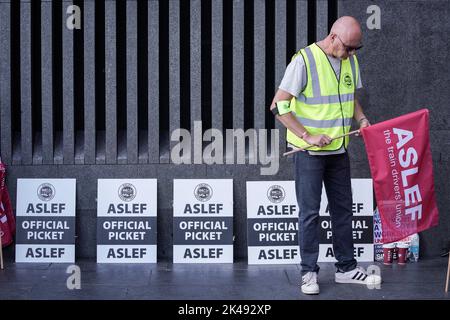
[(238, 281)]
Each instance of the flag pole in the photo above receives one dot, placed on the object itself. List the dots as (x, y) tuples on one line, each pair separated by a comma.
[(1, 252), (310, 146), (448, 273)]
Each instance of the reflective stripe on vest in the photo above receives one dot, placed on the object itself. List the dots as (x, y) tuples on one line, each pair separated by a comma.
[(326, 104), (324, 123)]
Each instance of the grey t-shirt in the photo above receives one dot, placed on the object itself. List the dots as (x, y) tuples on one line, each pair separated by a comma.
[(294, 82)]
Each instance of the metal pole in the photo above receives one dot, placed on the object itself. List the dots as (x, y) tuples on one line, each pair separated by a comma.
[(301, 149)]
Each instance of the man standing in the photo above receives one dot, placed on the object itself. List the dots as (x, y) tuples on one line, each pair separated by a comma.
[(316, 102)]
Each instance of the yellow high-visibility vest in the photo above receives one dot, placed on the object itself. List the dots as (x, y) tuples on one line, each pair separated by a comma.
[(326, 104)]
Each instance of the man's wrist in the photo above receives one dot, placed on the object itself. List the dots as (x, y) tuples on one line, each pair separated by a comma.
[(362, 119)]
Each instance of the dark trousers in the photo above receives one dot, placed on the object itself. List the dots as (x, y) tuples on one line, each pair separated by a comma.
[(334, 172)]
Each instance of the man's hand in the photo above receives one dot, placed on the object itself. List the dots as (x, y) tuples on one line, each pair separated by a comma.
[(363, 123), (319, 140)]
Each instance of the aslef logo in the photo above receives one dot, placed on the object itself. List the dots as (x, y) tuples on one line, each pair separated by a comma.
[(203, 192), (46, 192), (347, 80), (127, 192), (276, 194)]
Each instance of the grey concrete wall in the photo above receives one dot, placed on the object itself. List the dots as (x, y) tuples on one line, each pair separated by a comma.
[(404, 68)]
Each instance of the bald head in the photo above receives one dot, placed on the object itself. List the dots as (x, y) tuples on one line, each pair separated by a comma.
[(344, 38), (348, 29)]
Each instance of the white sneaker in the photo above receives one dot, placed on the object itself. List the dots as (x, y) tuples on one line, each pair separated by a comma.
[(309, 283), (358, 276)]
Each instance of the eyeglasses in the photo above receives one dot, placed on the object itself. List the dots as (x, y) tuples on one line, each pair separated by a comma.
[(349, 48)]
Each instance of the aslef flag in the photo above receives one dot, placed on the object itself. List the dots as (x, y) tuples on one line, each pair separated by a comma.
[(402, 170)]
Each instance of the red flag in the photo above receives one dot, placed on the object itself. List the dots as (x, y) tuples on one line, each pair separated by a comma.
[(402, 170), (7, 220)]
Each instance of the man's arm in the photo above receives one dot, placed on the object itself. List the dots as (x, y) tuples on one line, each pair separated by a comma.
[(291, 122), (359, 115)]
